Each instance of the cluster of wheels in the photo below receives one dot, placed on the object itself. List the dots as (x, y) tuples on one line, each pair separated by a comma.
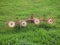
[(21, 23), (24, 23)]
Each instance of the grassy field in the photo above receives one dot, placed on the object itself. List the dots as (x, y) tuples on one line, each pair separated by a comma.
[(43, 34)]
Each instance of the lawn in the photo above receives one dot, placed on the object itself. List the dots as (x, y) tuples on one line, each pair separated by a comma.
[(42, 34)]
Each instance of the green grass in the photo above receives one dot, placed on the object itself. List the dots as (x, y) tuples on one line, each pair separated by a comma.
[(43, 34)]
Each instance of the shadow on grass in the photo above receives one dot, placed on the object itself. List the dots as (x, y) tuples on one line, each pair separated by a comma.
[(47, 26), (19, 29)]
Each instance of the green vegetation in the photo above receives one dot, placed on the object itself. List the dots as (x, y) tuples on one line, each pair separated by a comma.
[(43, 34)]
